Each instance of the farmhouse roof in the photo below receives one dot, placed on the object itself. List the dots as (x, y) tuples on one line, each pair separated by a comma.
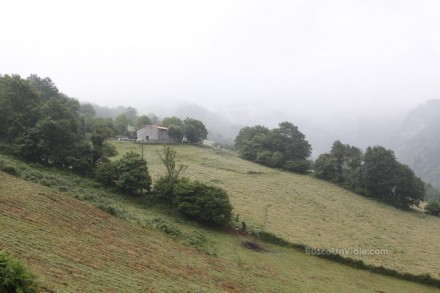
[(153, 126)]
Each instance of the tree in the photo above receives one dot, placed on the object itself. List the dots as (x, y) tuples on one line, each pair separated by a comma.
[(380, 170), (131, 114), (203, 203), (143, 120), (252, 140), (101, 149), (87, 109), (172, 121), (326, 167), (121, 124), (409, 189), (132, 174), (175, 133), (195, 131), (165, 184), (175, 128), (284, 147), (291, 142), (19, 106), (44, 87), (55, 136)]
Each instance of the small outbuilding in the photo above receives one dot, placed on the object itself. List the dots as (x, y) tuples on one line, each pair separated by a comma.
[(152, 133)]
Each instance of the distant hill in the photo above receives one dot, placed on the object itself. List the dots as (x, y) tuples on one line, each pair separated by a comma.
[(417, 141)]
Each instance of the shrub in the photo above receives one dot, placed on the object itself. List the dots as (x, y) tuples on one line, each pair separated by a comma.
[(433, 208), (298, 166), (162, 187), (10, 170), (106, 173), (14, 276), (203, 203), (130, 173)]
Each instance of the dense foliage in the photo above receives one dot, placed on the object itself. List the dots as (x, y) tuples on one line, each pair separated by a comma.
[(201, 202), (165, 184), (191, 129), (284, 147), (204, 203), (14, 276), (130, 173), (376, 173), (46, 126)]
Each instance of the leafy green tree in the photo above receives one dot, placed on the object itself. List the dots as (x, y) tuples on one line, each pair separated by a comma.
[(380, 170), (54, 137), (253, 140), (19, 107), (284, 147), (175, 133), (165, 184), (291, 142), (203, 203), (172, 121), (121, 124), (326, 167), (195, 131), (87, 109), (143, 120), (101, 149), (44, 87), (409, 189), (175, 128), (132, 174)]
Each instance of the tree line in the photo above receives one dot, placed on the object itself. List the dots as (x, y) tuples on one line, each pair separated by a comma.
[(41, 124), (374, 173)]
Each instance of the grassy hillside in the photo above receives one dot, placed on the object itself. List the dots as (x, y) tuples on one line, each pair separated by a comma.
[(305, 210), (75, 247)]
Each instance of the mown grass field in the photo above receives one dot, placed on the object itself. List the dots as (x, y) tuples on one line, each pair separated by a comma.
[(302, 209), (74, 247)]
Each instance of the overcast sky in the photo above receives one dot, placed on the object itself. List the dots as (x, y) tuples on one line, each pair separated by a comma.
[(301, 58)]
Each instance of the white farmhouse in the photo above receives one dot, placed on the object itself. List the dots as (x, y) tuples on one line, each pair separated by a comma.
[(152, 133)]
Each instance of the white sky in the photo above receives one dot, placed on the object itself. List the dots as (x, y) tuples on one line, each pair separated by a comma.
[(301, 58)]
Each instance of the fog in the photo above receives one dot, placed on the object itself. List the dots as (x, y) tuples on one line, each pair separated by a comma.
[(330, 67)]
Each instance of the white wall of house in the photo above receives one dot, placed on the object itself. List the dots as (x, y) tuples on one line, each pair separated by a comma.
[(152, 133)]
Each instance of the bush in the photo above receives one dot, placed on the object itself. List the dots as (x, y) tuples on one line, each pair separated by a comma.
[(433, 208), (298, 166), (162, 187), (14, 277), (130, 173), (203, 203), (10, 170)]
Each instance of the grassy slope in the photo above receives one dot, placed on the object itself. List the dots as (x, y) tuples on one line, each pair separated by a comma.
[(74, 247), (305, 210)]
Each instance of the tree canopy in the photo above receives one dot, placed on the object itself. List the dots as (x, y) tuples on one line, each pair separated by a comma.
[(284, 147), (376, 174), (194, 130)]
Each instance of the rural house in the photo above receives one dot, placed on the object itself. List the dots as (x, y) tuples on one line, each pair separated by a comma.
[(152, 133)]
